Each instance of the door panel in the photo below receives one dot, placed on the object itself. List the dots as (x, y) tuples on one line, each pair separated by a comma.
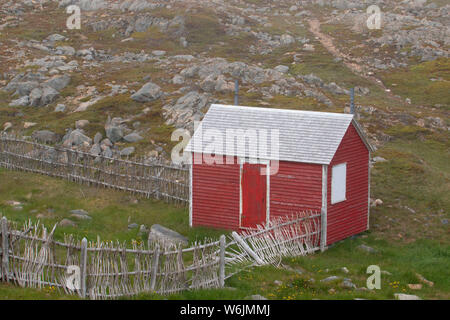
[(254, 195)]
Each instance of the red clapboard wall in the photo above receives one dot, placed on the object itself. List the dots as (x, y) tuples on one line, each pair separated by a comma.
[(295, 188), (350, 216), (215, 195)]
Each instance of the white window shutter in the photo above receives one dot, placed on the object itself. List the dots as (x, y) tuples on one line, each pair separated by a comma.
[(338, 183)]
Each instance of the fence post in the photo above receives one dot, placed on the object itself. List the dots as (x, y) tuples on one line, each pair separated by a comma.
[(5, 250), (155, 265), (222, 261), (83, 267)]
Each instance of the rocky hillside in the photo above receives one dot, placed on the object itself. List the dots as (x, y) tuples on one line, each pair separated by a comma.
[(138, 69)]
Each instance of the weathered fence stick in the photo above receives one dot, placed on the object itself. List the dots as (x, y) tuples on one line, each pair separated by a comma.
[(222, 261), (245, 246), (5, 249), (83, 267)]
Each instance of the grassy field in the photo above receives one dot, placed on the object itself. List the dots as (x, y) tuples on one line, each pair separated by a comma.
[(415, 176)]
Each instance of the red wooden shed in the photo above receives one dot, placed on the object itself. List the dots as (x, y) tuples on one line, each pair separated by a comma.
[(252, 164)]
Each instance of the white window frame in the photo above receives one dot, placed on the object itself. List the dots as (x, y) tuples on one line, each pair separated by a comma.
[(334, 177)]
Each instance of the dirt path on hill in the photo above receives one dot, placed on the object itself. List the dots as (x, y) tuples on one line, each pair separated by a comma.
[(349, 62)]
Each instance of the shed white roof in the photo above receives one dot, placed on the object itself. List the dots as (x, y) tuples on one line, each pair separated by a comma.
[(304, 136)]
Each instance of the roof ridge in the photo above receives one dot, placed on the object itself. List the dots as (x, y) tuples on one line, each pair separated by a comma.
[(337, 114)]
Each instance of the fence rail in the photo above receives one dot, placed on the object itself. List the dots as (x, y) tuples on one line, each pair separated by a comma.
[(157, 180)]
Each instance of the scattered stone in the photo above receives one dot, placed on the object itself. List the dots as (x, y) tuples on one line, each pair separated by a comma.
[(347, 283), (98, 137), (367, 248), (60, 108), (344, 270), (415, 286), (403, 296), (79, 212), (127, 151), (329, 279), (27, 125), (332, 291), (282, 69), (149, 92), (422, 279), (132, 137), (7, 126), (45, 136), (379, 159), (80, 124), (256, 297), (67, 223), (163, 234), (278, 282), (76, 138), (133, 226)]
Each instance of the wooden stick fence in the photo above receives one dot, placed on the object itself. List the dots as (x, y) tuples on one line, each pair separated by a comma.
[(157, 180), (108, 270)]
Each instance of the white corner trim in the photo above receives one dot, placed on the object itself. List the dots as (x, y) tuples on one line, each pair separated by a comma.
[(324, 216), (368, 200), (191, 165)]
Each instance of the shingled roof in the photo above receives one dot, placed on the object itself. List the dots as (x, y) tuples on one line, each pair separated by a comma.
[(304, 136)]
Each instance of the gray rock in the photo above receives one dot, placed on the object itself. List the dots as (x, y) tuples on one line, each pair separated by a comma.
[(256, 297), (379, 159), (158, 53), (79, 212), (282, 69), (25, 88), (67, 223), (149, 92), (81, 216), (367, 248), (107, 152), (66, 50), (45, 136), (60, 108), (98, 137), (80, 124), (56, 37), (329, 279), (287, 39), (76, 138), (347, 283), (35, 97), (95, 150), (165, 235), (21, 102), (133, 226), (127, 151), (403, 296), (114, 131), (59, 82), (49, 95), (132, 137)]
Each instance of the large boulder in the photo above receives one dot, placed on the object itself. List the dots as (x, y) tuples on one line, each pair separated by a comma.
[(76, 138), (132, 137), (58, 82), (162, 234), (149, 92), (113, 130), (45, 136)]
